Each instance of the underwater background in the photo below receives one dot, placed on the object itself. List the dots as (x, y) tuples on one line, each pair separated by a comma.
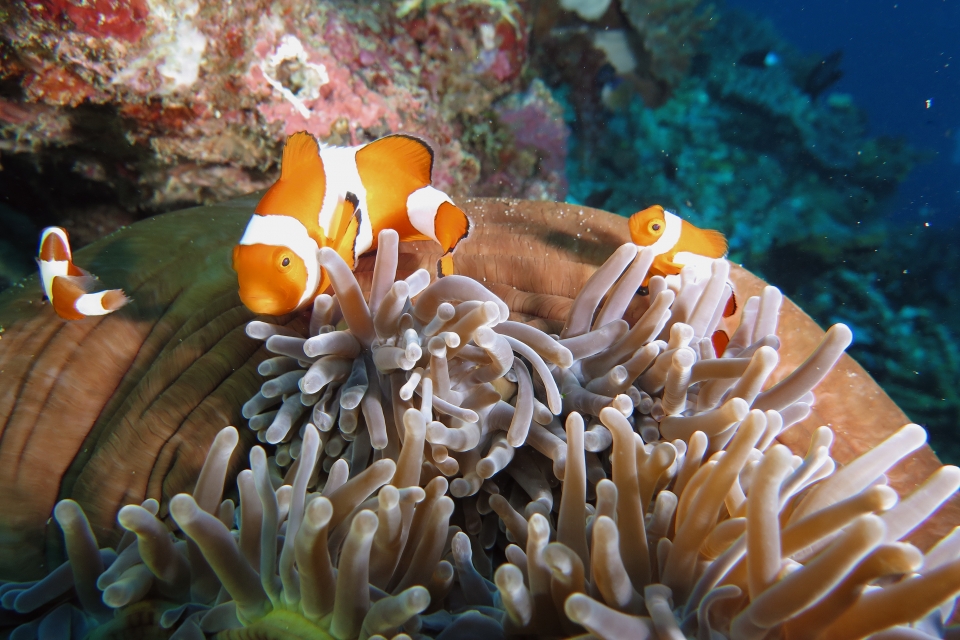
[(820, 137)]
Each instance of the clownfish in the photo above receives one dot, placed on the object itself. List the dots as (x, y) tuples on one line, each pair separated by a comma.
[(69, 288), (339, 197), (678, 244)]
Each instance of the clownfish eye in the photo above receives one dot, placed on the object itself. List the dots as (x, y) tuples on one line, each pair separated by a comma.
[(656, 227), (285, 263)]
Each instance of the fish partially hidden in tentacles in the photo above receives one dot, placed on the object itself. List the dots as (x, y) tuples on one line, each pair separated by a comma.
[(339, 197), (69, 288), (678, 244)]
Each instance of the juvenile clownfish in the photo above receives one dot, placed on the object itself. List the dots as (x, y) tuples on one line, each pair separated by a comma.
[(339, 197), (69, 288), (677, 244)]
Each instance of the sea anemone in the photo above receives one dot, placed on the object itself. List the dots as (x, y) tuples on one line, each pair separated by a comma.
[(533, 539)]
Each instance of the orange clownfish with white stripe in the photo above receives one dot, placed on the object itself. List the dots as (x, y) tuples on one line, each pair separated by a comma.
[(339, 197), (676, 242), (69, 288)]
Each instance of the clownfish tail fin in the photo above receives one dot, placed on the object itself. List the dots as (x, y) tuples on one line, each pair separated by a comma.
[(74, 299), (113, 299)]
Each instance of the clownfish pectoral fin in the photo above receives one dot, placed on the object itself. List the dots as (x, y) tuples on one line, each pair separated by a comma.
[(72, 298), (412, 154), (343, 217), (346, 245), (708, 242)]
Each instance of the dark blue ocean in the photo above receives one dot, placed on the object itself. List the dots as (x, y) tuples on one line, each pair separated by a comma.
[(901, 63)]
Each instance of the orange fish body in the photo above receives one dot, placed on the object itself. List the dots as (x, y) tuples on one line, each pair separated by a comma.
[(677, 243), (69, 288), (339, 197)]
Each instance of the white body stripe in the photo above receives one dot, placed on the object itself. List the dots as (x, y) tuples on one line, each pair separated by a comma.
[(700, 264), (286, 231), (671, 235), (342, 175), (50, 269), (91, 304), (422, 207)]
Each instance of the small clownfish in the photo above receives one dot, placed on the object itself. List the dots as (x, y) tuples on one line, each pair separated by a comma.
[(69, 288), (678, 244), (339, 197)]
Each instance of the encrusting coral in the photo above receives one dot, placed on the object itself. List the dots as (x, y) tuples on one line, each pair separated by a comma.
[(653, 498)]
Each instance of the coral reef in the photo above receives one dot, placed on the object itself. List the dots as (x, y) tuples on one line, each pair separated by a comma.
[(671, 31), (650, 460), (147, 106)]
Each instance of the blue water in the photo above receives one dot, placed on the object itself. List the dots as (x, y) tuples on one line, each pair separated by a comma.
[(901, 63)]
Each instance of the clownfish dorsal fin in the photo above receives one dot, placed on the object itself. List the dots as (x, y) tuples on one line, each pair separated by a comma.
[(704, 242), (716, 241), (301, 154), (400, 150), (299, 191)]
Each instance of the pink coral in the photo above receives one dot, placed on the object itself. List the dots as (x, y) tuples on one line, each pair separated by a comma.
[(123, 19), (208, 93)]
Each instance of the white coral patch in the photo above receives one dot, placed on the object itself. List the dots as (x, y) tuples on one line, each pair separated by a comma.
[(303, 78), (176, 48), (182, 67)]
